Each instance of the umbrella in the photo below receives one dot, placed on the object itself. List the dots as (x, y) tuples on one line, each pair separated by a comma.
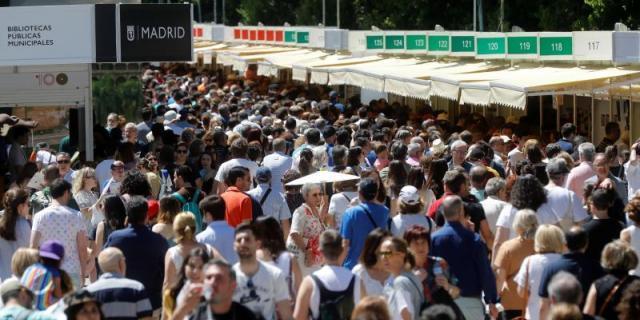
[(322, 177)]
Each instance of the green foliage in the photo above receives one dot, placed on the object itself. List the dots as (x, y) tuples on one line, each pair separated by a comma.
[(539, 15), (116, 94)]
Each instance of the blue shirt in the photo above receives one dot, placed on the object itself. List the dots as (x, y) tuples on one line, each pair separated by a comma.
[(585, 269), (467, 258), (356, 226), (144, 251), (220, 235), (565, 145)]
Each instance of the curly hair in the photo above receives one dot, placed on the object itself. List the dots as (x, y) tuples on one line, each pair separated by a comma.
[(633, 209), (135, 184), (528, 193)]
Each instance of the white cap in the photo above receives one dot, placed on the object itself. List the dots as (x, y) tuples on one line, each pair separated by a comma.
[(409, 195), (170, 116)]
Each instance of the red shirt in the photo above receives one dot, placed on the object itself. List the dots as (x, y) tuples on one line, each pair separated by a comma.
[(436, 205), (239, 206)]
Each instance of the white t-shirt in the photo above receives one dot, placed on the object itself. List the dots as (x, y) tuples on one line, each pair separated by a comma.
[(514, 156), (371, 285), (239, 162), (45, 157), (545, 216), (402, 222), (566, 204), (261, 292), (535, 265), (63, 224), (339, 203), (492, 208), (333, 278)]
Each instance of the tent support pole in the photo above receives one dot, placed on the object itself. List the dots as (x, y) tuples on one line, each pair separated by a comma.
[(593, 117), (541, 116), (575, 109), (557, 107), (631, 122)]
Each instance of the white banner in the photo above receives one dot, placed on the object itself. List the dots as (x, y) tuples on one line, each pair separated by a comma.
[(46, 35)]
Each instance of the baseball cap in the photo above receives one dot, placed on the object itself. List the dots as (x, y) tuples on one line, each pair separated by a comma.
[(557, 166), (409, 195), (263, 175), (368, 187), (52, 249)]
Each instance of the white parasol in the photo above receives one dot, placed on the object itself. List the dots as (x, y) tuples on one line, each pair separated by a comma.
[(322, 177)]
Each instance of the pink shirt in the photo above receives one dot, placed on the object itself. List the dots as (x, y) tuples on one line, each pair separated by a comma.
[(577, 177)]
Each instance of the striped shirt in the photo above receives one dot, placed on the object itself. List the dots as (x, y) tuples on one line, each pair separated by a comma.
[(121, 298)]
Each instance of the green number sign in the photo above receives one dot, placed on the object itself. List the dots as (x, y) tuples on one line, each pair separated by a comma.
[(289, 36), (395, 42), (522, 45), (488, 46), (463, 44), (556, 46), (375, 42), (302, 37), (416, 42), (439, 43)]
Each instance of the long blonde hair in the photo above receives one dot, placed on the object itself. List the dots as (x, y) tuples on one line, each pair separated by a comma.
[(78, 181), (184, 227)]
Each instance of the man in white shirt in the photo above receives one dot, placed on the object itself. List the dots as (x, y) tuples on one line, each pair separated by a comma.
[(59, 222), (112, 186), (632, 170), (273, 203), (260, 287), (564, 202), (494, 203), (332, 279), (218, 234), (238, 150), (278, 162)]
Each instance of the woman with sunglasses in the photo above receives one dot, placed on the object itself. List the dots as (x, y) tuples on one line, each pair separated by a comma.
[(404, 293), (191, 272), (306, 226), (84, 192)]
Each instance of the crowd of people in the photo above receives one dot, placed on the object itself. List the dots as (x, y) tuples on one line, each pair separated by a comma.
[(195, 213)]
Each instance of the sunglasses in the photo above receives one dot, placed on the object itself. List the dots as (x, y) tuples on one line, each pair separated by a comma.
[(383, 254), (64, 161), (117, 168), (181, 151)]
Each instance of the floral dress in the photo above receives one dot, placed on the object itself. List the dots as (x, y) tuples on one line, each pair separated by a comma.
[(309, 226)]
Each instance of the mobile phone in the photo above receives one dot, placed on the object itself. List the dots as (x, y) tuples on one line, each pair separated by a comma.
[(437, 270)]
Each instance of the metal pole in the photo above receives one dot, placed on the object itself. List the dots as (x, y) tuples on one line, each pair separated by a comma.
[(324, 13), (593, 117), (575, 110), (215, 11), (338, 13), (224, 16), (480, 17), (501, 15), (541, 117), (474, 14)]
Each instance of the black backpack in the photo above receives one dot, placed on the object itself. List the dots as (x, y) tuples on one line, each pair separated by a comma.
[(335, 305)]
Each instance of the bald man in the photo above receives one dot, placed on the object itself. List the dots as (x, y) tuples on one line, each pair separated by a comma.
[(121, 298)]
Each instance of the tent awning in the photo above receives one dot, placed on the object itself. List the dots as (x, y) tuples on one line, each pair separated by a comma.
[(240, 62), (363, 75), (273, 63), (333, 61), (514, 90)]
